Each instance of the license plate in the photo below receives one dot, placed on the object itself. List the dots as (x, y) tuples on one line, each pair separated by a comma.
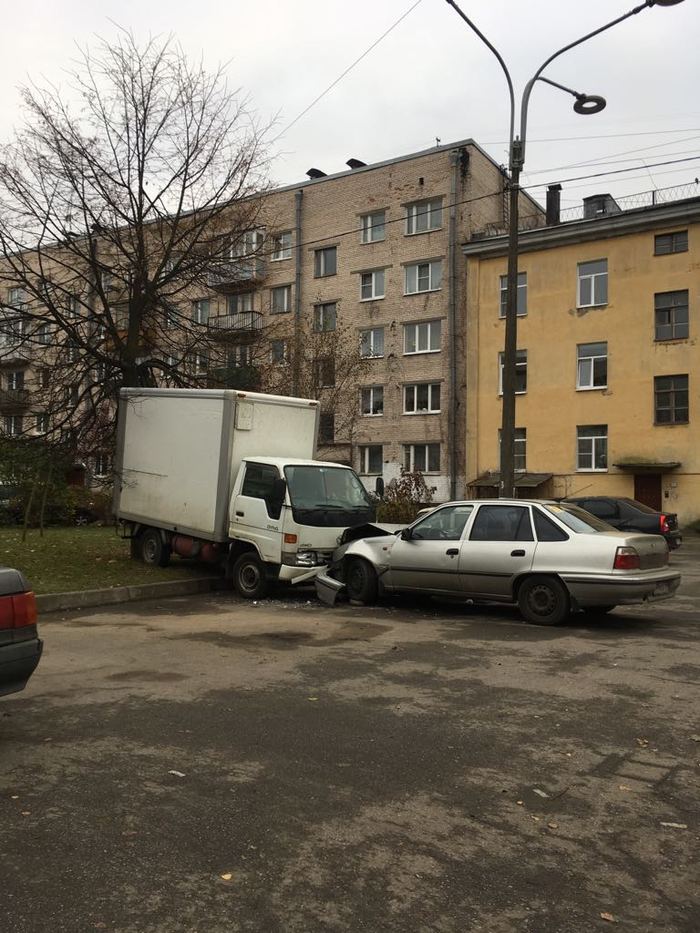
[(662, 589)]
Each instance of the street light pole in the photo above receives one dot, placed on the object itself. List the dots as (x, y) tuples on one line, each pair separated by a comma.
[(585, 104)]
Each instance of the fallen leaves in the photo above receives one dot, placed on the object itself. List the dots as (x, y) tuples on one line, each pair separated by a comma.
[(609, 917)]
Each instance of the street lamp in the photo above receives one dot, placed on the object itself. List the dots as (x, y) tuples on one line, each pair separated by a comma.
[(585, 104)]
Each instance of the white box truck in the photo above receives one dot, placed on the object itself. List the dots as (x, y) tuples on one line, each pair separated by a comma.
[(230, 476)]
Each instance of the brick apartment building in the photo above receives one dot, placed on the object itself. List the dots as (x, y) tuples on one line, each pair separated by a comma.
[(374, 253)]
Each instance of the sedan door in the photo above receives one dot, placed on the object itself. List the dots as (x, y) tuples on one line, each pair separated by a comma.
[(427, 558), (500, 545)]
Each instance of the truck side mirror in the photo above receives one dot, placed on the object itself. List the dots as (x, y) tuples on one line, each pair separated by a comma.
[(276, 500), (379, 486)]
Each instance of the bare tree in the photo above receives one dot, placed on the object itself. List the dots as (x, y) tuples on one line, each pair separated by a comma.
[(123, 200)]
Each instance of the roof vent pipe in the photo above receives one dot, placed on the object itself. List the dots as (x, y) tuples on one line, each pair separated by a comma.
[(553, 205), (355, 163), (316, 173)]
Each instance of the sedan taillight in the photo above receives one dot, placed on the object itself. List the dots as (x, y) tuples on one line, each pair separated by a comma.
[(17, 611), (626, 558), (663, 525)]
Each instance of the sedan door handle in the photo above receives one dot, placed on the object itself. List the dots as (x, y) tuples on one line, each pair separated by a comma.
[(452, 551), (518, 553)]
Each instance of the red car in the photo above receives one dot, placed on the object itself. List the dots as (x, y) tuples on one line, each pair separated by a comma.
[(20, 646)]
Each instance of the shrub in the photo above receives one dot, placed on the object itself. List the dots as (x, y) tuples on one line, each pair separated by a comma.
[(403, 498)]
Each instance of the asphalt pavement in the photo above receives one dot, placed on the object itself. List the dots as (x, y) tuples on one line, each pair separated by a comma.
[(203, 764)]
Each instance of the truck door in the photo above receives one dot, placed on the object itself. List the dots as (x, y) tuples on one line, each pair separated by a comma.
[(253, 515)]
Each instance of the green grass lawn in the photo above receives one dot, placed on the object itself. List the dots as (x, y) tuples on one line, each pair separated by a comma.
[(83, 559)]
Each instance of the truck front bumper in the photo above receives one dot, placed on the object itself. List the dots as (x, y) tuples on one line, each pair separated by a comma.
[(294, 575)]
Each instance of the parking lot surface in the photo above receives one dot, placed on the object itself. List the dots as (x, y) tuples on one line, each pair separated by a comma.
[(203, 764)]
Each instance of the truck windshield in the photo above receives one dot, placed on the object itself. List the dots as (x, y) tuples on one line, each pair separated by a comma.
[(327, 496)]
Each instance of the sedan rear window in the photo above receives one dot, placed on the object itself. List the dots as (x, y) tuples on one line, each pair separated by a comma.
[(577, 519)]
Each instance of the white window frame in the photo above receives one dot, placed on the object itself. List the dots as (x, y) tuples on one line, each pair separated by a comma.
[(247, 244), (520, 366), (285, 352), (372, 285), (41, 423), (521, 294), (589, 360), (410, 458), (519, 448), (375, 399), (430, 326), (15, 380), (320, 262), (371, 229), (427, 279), (242, 303), (432, 409), (201, 310), (281, 246), (13, 425), (326, 309), (428, 211), (43, 334), (372, 355), (591, 280), (200, 364), (365, 460), (597, 441), (101, 465), (286, 292), (15, 298)]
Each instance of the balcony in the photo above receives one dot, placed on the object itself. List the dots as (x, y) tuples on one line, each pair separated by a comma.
[(13, 352), (240, 324), (237, 274), (14, 399)]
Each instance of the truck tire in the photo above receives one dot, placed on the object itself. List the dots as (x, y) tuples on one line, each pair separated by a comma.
[(250, 576), (361, 581), (154, 551), (544, 601)]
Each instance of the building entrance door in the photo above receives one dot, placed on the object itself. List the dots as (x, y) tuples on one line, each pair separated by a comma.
[(647, 489)]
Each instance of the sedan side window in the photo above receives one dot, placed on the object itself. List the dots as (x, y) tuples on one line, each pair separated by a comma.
[(546, 529), (443, 525), (502, 523)]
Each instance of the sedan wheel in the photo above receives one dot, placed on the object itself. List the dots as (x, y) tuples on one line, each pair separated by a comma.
[(543, 601), (361, 582)]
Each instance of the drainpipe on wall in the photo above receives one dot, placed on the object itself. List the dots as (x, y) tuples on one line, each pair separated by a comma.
[(452, 326), (296, 366)]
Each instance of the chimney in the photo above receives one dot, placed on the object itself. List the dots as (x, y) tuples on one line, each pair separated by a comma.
[(599, 205), (355, 163), (316, 173), (553, 205)]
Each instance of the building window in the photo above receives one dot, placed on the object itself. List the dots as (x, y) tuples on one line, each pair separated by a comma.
[(325, 261), (371, 458), (423, 277), (101, 465), (521, 296), (325, 372), (592, 366), (326, 428), (247, 244), (421, 398), (44, 378), (200, 311), (371, 285), (520, 372), (666, 243), (592, 283), (671, 315), (238, 304), (15, 297), (422, 338), (281, 246), (15, 380), (106, 282), (278, 351), (72, 351), (372, 400), (422, 216), (519, 449), (372, 226), (281, 299), (592, 447), (43, 334), (325, 317), (372, 343), (240, 355), (42, 422), (424, 458), (72, 394), (671, 399), (13, 425), (199, 363)]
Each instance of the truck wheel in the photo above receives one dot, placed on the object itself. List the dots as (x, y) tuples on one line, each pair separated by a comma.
[(544, 601), (361, 582), (153, 550), (250, 577)]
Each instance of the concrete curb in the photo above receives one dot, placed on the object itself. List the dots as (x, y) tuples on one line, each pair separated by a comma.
[(85, 599)]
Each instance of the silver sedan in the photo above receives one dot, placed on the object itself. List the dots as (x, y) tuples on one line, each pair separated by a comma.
[(549, 558)]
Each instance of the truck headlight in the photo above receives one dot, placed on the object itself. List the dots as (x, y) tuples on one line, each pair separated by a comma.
[(307, 558)]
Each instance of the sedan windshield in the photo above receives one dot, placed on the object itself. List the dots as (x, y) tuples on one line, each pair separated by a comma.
[(578, 519), (327, 496)]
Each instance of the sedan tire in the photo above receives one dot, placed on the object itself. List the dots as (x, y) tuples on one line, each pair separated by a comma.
[(544, 601), (361, 582)]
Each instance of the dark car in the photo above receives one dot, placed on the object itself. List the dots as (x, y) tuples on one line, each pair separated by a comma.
[(20, 646), (630, 515)]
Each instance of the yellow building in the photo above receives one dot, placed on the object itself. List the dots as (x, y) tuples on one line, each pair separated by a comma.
[(609, 354)]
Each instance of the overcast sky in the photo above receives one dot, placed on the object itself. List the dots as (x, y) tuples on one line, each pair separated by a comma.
[(429, 77)]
